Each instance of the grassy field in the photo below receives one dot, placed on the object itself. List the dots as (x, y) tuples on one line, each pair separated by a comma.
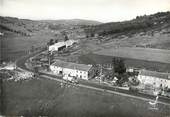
[(14, 46), (102, 59), (148, 54), (46, 97)]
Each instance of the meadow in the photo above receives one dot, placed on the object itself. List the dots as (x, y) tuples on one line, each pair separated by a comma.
[(92, 58), (13, 46), (46, 97), (147, 54)]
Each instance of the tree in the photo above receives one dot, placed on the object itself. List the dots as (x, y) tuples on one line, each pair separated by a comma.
[(65, 37), (32, 49), (36, 71), (119, 70), (50, 58), (56, 41), (92, 34), (51, 42), (118, 66)]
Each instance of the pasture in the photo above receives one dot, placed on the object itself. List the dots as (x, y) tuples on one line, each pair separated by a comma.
[(46, 97), (14, 46), (147, 54), (129, 62)]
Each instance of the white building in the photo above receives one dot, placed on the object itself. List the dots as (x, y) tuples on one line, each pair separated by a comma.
[(132, 69), (57, 46), (69, 43), (72, 69), (9, 66), (1, 34), (60, 45), (156, 79)]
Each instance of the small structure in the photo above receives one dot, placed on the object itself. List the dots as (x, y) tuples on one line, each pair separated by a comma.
[(61, 45), (81, 71), (131, 69), (156, 79), (114, 80), (1, 34)]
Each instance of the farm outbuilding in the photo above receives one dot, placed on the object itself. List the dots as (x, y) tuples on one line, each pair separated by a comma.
[(57, 46), (61, 45)]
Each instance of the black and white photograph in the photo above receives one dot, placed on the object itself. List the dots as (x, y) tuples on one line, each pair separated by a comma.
[(85, 58)]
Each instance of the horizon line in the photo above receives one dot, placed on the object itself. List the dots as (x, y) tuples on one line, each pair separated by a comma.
[(55, 19)]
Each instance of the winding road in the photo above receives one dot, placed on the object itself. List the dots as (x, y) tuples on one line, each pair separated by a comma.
[(20, 63)]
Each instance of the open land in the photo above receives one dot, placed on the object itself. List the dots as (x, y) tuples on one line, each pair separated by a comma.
[(92, 58), (46, 97), (14, 46), (148, 54)]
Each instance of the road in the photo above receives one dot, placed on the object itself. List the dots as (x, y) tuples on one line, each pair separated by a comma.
[(87, 84)]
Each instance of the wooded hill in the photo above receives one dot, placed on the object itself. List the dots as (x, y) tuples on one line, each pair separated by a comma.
[(139, 24)]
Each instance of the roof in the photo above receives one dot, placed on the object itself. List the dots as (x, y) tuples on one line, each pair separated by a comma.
[(63, 43), (155, 74), (70, 65), (59, 44), (69, 42)]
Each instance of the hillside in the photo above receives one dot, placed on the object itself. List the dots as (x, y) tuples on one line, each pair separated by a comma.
[(140, 23), (19, 35), (151, 31), (27, 27), (73, 22)]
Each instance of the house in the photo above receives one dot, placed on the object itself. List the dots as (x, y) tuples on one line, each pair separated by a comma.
[(129, 70), (156, 79), (132, 69), (81, 71), (61, 45)]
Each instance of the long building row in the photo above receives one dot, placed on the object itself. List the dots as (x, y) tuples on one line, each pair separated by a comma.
[(72, 69)]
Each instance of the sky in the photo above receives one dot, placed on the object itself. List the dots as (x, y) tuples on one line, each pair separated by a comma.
[(100, 10)]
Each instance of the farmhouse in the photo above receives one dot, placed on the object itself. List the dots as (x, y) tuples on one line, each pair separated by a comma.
[(81, 71), (61, 45), (156, 79)]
